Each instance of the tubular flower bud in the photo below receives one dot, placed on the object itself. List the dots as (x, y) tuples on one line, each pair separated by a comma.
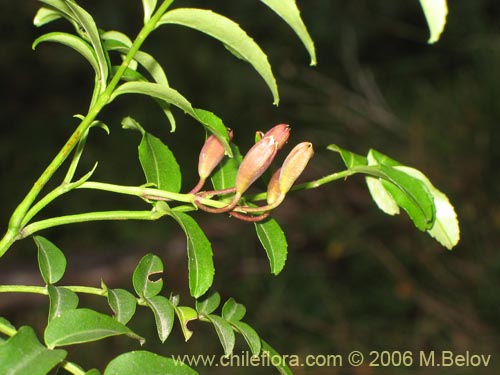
[(294, 165), (211, 155), (273, 188), (280, 132), (255, 163)]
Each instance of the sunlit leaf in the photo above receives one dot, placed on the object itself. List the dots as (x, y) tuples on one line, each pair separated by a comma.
[(164, 315), (230, 34), (149, 265), (149, 7), (350, 159), (23, 354), (146, 363), (45, 15), (208, 303), (60, 6), (61, 300), (51, 260), (249, 334), (185, 314), (123, 304), (233, 311), (435, 12), (380, 195), (225, 333), (273, 240), (288, 11)]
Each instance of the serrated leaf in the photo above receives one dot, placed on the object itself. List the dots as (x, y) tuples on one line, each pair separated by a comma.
[(350, 159), (199, 250), (45, 15), (185, 314), (23, 354), (270, 352), (230, 34), (149, 7), (61, 300), (146, 363), (208, 303), (435, 12), (249, 334), (148, 266), (74, 42), (83, 325), (224, 175), (446, 229), (273, 240), (159, 164), (164, 315), (288, 11), (51, 260), (225, 333), (123, 304), (233, 311)]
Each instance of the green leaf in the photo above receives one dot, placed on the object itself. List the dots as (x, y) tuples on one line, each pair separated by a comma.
[(83, 325), (249, 334), (270, 352), (185, 314), (59, 6), (149, 7), (164, 315), (230, 34), (225, 333), (350, 159), (23, 354), (273, 240), (51, 260), (200, 262), (288, 11), (446, 229), (224, 175), (435, 12), (380, 195), (146, 363), (45, 15), (208, 303), (148, 266), (215, 125), (233, 311), (93, 372), (61, 300), (159, 164), (123, 304)]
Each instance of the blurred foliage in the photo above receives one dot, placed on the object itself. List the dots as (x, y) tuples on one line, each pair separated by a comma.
[(355, 278)]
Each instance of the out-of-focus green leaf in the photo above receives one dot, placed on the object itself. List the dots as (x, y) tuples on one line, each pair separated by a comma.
[(45, 15), (270, 352), (435, 12), (93, 372), (225, 333), (149, 7), (159, 164), (288, 11), (185, 314), (200, 262), (233, 311), (230, 34), (23, 354), (83, 325), (350, 159), (123, 304), (61, 300), (51, 260), (164, 315), (273, 240), (208, 303), (249, 334), (224, 175), (148, 266), (146, 363)]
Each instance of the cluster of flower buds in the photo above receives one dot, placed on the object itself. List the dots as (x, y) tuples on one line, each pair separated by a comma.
[(256, 161)]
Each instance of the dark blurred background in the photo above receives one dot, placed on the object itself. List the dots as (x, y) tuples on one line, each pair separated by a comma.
[(355, 278)]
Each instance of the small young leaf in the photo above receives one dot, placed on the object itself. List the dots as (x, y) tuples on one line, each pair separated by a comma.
[(149, 7), (123, 304), (249, 334), (200, 262), (224, 175), (146, 363), (164, 315), (288, 11), (61, 300), (159, 164), (350, 159), (185, 314), (23, 354), (273, 240), (435, 12), (225, 333), (208, 303), (270, 352), (83, 325), (149, 265), (45, 15), (51, 260), (230, 34), (233, 311)]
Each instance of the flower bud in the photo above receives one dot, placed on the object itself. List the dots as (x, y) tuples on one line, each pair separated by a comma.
[(273, 188), (280, 132), (211, 155), (294, 165), (255, 163)]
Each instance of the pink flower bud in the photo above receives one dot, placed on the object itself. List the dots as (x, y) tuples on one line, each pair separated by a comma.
[(255, 163), (280, 132), (294, 165), (273, 188), (211, 155)]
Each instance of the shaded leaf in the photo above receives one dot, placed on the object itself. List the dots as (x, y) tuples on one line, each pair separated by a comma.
[(230, 34), (83, 325), (51, 260), (233, 311), (435, 12), (146, 363), (288, 11), (123, 304), (199, 250), (185, 314), (270, 352), (249, 334), (61, 300), (164, 315), (225, 333), (208, 303), (224, 175), (149, 7), (273, 240), (350, 159), (23, 354), (148, 266)]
